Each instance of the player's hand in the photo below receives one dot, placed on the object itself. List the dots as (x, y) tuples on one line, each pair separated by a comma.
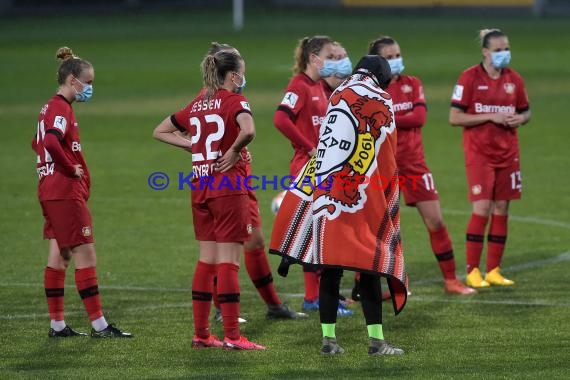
[(227, 161), (78, 171), (312, 152), (515, 121), (499, 118), (246, 156)]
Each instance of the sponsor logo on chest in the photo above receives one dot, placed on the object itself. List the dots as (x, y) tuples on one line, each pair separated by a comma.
[(405, 106), (491, 108)]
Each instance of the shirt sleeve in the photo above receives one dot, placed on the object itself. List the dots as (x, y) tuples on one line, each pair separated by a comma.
[(461, 97), (293, 101), (180, 120), (285, 125), (52, 144), (522, 96)]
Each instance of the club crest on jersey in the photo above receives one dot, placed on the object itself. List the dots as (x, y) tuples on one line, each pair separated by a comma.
[(86, 231), (406, 88), (509, 88), (60, 123), (354, 126), (290, 99), (476, 189), (249, 229)]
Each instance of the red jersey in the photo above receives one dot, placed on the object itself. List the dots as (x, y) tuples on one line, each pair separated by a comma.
[(306, 104), (56, 181), (475, 93), (213, 126), (407, 93)]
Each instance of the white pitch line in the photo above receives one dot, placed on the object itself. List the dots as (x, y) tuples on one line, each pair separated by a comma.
[(82, 313), (523, 219), (413, 298), (560, 258)]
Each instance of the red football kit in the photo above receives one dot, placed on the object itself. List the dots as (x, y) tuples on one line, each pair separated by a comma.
[(304, 106), (410, 111), (62, 196), (220, 205), (491, 150)]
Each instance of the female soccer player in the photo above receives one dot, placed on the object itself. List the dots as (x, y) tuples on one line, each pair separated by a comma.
[(220, 124), (299, 118), (63, 191), (490, 102), (255, 257), (410, 110)]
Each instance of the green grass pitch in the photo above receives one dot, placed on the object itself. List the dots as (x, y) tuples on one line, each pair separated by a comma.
[(147, 67)]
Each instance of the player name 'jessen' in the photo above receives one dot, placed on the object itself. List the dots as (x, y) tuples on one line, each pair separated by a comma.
[(206, 105)]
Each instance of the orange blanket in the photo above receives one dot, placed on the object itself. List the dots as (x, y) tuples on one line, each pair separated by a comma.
[(343, 210)]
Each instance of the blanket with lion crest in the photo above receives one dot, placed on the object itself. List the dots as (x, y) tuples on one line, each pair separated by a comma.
[(343, 208)]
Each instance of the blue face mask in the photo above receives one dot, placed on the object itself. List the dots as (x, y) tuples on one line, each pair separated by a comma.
[(396, 65), (329, 68), (343, 68), (85, 94), (501, 59), (242, 86)]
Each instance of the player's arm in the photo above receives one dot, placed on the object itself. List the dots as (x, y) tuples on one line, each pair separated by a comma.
[(52, 143), (459, 118), (245, 136), (284, 123), (167, 132), (416, 118)]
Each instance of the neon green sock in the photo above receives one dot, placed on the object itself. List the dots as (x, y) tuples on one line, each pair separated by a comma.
[(375, 331), (328, 329)]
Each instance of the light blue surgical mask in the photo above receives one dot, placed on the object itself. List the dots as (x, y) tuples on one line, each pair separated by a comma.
[(343, 68), (85, 94), (329, 68), (396, 65), (501, 59), (243, 83)]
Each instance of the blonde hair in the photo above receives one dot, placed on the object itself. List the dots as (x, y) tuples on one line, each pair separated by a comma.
[(215, 67), (70, 64), (486, 34), (306, 47)]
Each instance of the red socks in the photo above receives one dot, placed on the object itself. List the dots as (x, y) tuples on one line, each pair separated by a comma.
[(312, 283), (257, 266), (443, 250), (86, 282), (202, 288), (54, 282), (474, 244), (496, 240), (228, 296)]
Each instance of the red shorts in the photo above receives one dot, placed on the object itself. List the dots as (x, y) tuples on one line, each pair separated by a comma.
[(68, 221), (223, 219), (417, 184), (254, 209), (297, 162), (497, 184)]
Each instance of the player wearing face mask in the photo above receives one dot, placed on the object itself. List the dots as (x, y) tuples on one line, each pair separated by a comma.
[(410, 110), (336, 70), (490, 102)]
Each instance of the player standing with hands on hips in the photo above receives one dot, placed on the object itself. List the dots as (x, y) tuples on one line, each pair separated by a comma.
[(220, 124), (63, 191), (490, 102)]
